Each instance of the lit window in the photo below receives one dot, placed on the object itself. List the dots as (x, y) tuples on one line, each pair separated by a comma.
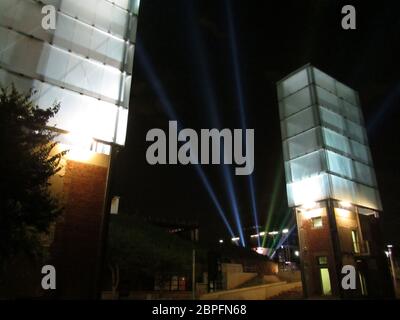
[(322, 260), (316, 222), (363, 284), (356, 243)]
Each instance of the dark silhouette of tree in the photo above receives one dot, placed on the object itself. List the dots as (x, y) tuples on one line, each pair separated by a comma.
[(27, 161)]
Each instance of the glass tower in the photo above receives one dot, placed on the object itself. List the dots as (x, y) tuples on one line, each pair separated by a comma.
[(85, 63), (331, 185), (325, 145)]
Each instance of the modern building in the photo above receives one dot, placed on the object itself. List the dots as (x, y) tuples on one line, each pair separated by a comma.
[(84, 63), (331, 185)]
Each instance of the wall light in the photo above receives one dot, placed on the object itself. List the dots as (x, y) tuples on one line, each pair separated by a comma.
[(345, 204), (309, 205)]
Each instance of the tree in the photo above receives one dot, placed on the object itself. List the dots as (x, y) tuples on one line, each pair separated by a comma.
[(27, 209)]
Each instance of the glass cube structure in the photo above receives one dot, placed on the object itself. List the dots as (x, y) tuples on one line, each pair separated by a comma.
[(325, 145), (85, 63)]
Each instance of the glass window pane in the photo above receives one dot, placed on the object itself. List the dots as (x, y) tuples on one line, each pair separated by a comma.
[(306, 166), (296, 102), (324, 81), (336, 141), (340, 165), (332, 120), (293, 84), (299, 122), (303, 143)]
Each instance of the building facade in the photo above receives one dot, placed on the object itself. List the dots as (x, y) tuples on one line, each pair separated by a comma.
[(331, 185), (84, 63)]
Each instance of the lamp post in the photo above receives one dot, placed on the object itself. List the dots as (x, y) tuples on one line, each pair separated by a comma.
[(392, 266)]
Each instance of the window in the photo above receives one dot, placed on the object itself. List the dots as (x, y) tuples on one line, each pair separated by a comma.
[(363, 285), (316, 222), (325, 279), (325, 282), (322, 261), (356, 243)]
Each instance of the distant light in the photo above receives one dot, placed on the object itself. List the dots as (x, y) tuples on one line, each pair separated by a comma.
[(297, 253), (221, 241), (387, 254), (390, 246), (262, 234), (285, 230), (235, 239), (254, 236), (273, 233), (281, 247), (260, 250), (309, 205), (345, 204)]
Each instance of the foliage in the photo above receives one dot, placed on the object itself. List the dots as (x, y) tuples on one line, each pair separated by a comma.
[(27, 161)]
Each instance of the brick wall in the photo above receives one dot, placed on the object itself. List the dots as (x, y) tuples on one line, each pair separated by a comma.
[(77, 236)]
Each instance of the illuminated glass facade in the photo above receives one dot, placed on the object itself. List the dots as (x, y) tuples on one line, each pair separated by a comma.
[(325, 145), (85, 63)]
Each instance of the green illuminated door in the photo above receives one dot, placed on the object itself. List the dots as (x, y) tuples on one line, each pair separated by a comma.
[(325, 281)]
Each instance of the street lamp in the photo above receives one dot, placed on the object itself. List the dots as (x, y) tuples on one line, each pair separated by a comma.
[(390, 255)]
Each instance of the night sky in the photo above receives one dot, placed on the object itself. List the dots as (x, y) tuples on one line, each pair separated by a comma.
[(189, 45)]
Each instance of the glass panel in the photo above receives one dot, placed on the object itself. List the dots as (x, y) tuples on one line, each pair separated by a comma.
[(84, 10), (53, 64), (296, 102), (121, 3), (111, 83), (119, 21), (364, 173), (355, 131), (8, 10), (324, 81), (352, 112), (64, 32), (332, 120), (343, 189), (298, 123), (133, 28), (308, 190), (306, 166), (328, 100), (122, 126), (336, 141), (115, 52), (293, 84), (135, 6), (21, 84), (346, 93), (368, 197), (14, 54), (340, 165), (360, 151), (302, 144), (81, 39)]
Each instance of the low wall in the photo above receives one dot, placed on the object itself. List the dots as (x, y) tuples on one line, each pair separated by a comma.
[(289, 276), (234, 280), (262, 292)]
